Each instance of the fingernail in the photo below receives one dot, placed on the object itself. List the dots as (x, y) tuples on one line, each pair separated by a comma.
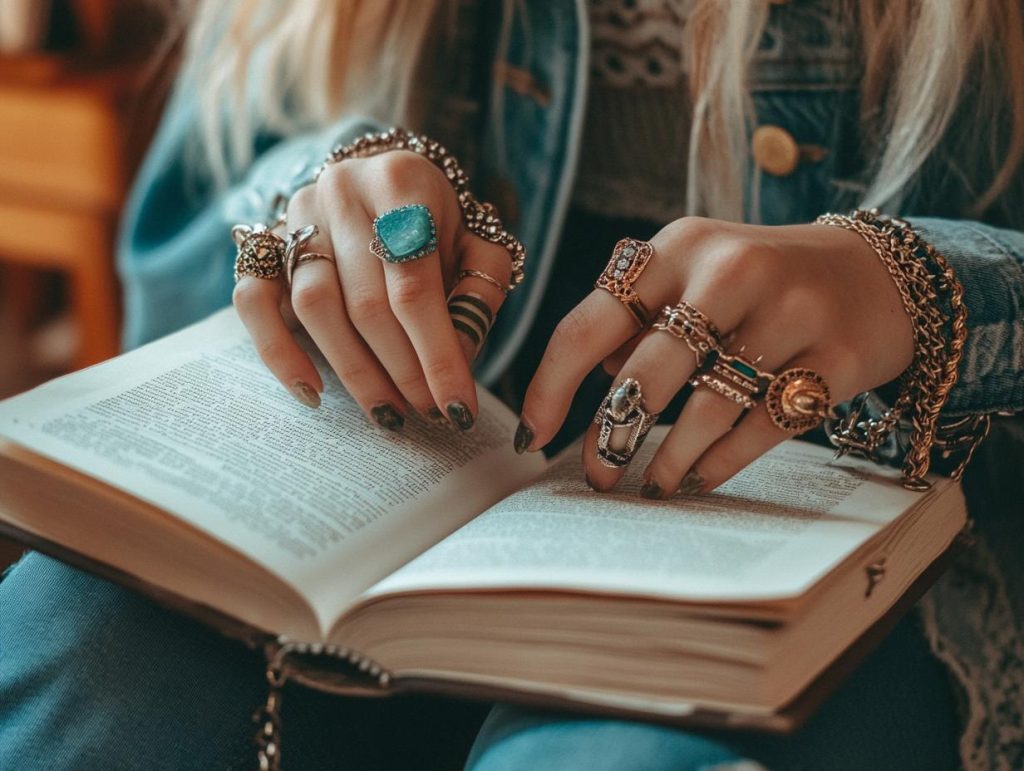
[(460, 415), (691, 484), (651, 489), (387, 417), (590, 482), (524, 438), (305, 394)]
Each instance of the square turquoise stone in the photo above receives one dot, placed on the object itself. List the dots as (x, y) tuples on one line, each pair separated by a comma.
[(406, 233), (744, 369)]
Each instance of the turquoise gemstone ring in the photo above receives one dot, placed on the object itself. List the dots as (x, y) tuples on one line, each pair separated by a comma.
[(735, 377), (404, 234)]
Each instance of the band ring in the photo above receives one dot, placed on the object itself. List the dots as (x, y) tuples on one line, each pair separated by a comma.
[(692, 326), (404, 234), (735, 377), (260, 252), (471, 315), (470, 273), (622, 408), (798, 400), (628, 260)]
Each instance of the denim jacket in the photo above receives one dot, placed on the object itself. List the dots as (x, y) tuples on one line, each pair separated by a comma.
[(176, 256)]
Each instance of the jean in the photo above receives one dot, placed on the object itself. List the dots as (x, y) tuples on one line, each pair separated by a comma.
[(93, 676)]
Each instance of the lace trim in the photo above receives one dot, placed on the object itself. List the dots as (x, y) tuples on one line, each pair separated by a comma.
[(970, 624)]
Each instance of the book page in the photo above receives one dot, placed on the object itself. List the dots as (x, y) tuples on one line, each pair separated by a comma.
[(768, 533), (197, 426)]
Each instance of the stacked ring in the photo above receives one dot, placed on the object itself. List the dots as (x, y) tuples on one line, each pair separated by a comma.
[(296, 240), (404, 234), (798, 400), (735, 377), (260, 252), (690, 325), (628, 260), (472, 316), (622, 408)]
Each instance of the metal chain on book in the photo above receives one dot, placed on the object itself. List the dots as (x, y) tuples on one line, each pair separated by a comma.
[(268, 717)]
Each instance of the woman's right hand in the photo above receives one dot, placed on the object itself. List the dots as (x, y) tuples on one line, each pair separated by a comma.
[(383, 327)]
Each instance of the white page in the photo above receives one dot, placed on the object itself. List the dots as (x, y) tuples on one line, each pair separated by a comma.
[(196, 425), (768, 533)]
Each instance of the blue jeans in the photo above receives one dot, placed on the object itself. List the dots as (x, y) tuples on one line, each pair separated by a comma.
[(93, 676)]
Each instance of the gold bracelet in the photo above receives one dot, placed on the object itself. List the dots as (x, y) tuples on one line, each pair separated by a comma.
[(481, 218), (933, 299)]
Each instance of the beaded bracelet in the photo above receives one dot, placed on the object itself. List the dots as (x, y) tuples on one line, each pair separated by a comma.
[(481, 218), (933, 299)]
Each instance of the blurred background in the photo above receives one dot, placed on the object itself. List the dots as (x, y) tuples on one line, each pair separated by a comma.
[(82, 83)]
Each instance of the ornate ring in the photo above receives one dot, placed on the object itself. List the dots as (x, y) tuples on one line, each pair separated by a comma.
[(296, 240), (622, 409), (735, 377), (472, 316), (690, 325), (470, 273), (260, 252), (628, 260), (798, 400), (404, 234)]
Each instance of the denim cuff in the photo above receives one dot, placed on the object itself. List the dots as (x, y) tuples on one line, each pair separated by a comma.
[(989, 262)]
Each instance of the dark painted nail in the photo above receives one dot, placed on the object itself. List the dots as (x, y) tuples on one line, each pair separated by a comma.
[(387, 417), (435, 414), (524, 438), (691, 484), (651, 489), (305, 394), (460, 415)]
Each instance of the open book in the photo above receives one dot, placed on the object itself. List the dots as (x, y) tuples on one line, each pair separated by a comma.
[(437, 560)]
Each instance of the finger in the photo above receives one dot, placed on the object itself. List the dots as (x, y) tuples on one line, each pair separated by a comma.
[(591, 332), (614, 362), (416, 293), (662, 364), (319, 305), (474, 301), (258, 303), (756, 434), (705, 418), (364, 294)]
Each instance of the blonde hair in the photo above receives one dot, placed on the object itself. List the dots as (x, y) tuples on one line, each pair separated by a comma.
[(286, 67)]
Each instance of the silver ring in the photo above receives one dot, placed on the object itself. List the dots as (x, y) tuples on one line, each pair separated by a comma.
[(296, 240), (622, 410)]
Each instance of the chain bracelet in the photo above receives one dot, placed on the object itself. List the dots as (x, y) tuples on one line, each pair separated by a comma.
[(481, 218), (927, 287), (268, 717)]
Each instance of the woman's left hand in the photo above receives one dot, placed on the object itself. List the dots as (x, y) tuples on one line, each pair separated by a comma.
[(809, 296)]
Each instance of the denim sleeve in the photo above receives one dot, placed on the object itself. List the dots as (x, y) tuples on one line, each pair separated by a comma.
[(989, 262), (175, 253)]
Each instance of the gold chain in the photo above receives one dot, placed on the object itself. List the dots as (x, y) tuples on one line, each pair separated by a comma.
[(481, 218), (933, 299)]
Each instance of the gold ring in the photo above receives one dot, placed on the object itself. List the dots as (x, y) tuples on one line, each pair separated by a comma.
[(296, 240), (486, 277), (622, 410), (628, 260), (692, 326), (735, 377), (798, 400), (260, 252)]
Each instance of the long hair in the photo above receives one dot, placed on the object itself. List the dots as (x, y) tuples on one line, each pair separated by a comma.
[(263, 65)]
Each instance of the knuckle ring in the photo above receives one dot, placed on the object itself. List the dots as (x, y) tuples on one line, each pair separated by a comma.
[(260, 252), (622, 409), (472, 316), (692, 326), (735, 377), (469, 272), (798, 400), (628, 260), (404, 234)]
